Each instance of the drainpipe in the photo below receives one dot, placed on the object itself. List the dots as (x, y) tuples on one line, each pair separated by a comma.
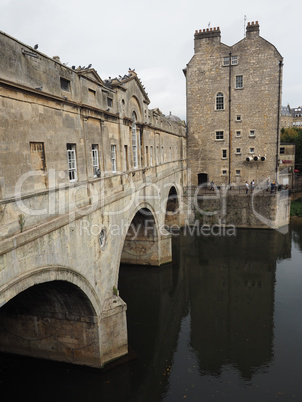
[(230, 137), (278, 117)]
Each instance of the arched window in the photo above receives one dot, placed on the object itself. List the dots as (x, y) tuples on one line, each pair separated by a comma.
[(219, 101), (134, 141)]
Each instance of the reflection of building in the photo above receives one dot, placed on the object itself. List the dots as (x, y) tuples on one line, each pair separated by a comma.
[(287, 161), (232, 299), (232, 144)]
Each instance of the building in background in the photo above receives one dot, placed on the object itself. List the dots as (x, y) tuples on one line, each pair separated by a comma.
[(233, 108)]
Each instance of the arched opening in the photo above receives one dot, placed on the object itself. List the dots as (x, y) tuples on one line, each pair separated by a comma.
[(52, 320), (172, 208), (146, 243)]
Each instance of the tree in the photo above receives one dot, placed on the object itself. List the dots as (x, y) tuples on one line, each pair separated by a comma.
[(293, 135)]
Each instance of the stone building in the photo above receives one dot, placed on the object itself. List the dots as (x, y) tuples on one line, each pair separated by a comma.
[(233, 108), (291, 117), (64, 127)]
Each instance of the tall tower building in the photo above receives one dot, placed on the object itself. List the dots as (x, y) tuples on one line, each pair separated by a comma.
[(233, 108)]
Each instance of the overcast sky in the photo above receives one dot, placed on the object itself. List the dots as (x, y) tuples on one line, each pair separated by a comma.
[(156, 37)]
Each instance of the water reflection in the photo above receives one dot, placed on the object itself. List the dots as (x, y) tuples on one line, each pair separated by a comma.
[(226, 284), (231, 288), (205, 323)]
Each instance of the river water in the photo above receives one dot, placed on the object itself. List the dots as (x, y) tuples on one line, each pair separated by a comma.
[(222, 323)]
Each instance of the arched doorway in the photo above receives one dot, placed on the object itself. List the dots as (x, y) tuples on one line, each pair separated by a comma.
[(52, 320), (172, 208)]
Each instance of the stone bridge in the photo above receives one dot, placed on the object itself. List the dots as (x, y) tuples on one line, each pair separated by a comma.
[(58, 279), (89, 177)]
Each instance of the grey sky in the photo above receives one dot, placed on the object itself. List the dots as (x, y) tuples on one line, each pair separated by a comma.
[(155, 37)]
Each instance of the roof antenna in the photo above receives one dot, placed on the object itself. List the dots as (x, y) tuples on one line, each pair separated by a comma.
[(244, 33)]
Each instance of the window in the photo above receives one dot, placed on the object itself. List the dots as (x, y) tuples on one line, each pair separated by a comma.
[(252, 133), (72, 162), (238, 150), (134, 141), (151, 156), (219, 101), (224, 154), (219, 135), (226, 61), (234, 60), (252, 150), (65, 84), (147, 156), (95, 160), (37, 156), (126, 165), (238, 117), (282, 150), (109, 102), (238, 172), (239, 81), (91, 94), (224, 172), (113, 158), (238, 133)]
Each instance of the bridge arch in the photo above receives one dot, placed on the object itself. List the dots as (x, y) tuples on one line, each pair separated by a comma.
[(172, 208), (48, 274), (146, 242), (51, 319)]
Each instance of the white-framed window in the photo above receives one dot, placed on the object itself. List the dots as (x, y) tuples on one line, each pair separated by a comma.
[(252, 133), (238, 133), (234, 60), (238, 151), (134, 141), (239, 81), (95, 160), (238, 117), (238, 172), (226, 61), (224, 153), (219, 101), (219, 135), (113, 158), (72, 162), (252, 150), (151, 155)]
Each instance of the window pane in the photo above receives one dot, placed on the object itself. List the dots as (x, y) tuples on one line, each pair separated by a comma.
[(219, 101)]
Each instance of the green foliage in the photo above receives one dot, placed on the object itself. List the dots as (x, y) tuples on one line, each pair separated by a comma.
[(296, 208), (293, 135), (114, 291)]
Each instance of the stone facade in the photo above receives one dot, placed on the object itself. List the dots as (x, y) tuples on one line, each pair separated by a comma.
[(80, 158), (233, 108)]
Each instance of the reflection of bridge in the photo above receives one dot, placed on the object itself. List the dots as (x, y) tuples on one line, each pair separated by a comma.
[(68, 216)]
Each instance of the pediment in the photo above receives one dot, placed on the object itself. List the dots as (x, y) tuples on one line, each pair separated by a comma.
[(92, 75)]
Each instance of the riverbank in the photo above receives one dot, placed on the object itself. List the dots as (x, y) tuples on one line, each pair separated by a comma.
[(296, 208)]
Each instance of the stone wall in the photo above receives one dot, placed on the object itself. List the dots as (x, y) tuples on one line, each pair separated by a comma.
[(248, 75)]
